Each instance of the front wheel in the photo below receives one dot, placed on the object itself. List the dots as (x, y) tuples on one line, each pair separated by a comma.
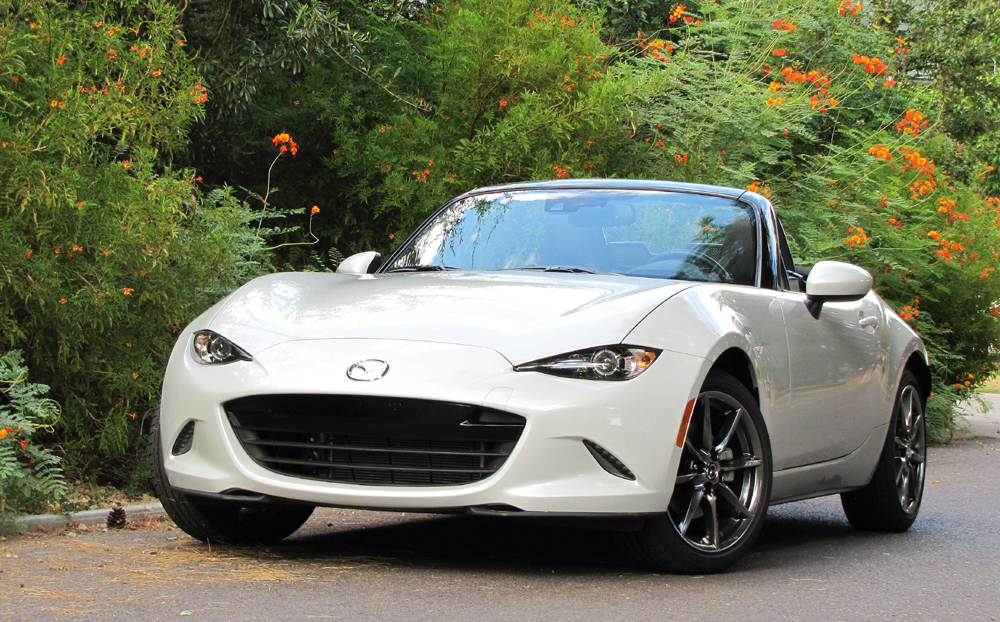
[(722, 487), (892, 499), (229, 524)]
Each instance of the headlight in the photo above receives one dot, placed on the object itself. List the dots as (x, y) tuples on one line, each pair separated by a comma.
[(212, 348), (608, 363)]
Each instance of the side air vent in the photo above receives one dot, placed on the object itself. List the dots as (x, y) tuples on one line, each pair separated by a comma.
[(184, 440), (608, 461)]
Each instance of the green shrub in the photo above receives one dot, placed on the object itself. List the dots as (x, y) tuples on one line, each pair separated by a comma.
[(30, 477), (516, 90), (106, 252)]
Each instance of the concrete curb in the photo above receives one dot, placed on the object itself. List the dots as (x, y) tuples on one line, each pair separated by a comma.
[(49, 522)]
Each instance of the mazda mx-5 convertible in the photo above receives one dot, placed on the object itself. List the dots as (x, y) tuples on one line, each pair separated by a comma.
[(638, 355)]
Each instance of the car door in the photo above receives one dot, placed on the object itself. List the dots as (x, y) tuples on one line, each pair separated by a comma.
[(836, 368)]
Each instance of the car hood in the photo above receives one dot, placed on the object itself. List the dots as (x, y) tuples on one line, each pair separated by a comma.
[(522, 315)]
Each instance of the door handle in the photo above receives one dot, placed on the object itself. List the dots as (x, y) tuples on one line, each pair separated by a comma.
[(871, 320)]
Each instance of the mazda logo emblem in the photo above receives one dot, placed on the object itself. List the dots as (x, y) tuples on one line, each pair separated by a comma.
[(368, 370)]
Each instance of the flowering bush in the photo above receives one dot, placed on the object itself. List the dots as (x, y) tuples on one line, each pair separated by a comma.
[(518, 90), (30, 477), (105, 250)]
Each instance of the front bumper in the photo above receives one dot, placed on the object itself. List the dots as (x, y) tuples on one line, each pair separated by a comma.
[(549, 470)]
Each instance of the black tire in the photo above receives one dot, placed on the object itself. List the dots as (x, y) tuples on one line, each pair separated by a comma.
[(891, 501), (725, 464), (223, 524)]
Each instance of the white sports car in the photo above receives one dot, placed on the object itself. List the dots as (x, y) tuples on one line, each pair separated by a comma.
[(638, 355)]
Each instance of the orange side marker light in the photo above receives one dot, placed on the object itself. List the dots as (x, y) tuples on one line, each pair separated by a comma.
[(682, 433)]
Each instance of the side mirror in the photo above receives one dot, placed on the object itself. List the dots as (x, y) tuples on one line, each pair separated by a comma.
[(361, 263), (835, 281)]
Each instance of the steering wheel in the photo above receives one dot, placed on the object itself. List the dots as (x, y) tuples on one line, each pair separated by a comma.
[(693, 257)]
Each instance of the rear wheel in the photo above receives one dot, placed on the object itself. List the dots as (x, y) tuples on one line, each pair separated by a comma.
[(721, 489), (230, 524), (892, 499)]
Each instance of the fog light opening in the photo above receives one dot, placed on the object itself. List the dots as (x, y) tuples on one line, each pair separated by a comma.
[(184, 440), (608, 461)]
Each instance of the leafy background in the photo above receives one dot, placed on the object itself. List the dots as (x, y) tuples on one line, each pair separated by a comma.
[(141, 180)]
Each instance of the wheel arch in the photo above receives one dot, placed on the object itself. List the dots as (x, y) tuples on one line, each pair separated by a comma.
[(735, 362), (916, 364)]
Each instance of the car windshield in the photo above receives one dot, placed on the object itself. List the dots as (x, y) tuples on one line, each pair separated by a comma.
[(646, 233)]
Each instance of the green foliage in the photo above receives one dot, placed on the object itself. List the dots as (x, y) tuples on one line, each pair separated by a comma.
[(518, 91), (105, 250), (30, 476)]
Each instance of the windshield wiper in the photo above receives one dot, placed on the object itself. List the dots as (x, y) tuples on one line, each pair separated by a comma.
[(560, 269), (422, 269)]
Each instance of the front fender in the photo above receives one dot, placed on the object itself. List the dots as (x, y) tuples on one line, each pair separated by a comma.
[(710, 320)]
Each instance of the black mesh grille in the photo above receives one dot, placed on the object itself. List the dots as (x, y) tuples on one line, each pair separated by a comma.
[(374, 440)]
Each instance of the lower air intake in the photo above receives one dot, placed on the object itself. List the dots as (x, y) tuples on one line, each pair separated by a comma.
[(374, 441), (608, 461), (184, 440)]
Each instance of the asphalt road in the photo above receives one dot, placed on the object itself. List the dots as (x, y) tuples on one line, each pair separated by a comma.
[(350, 565)]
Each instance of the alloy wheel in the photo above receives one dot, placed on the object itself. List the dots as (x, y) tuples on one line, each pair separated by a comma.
[(910, 448), (719, 485)]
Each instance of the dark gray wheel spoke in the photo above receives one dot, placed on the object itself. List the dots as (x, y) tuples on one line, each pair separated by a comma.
[(730, 497), (915, 429), (907, 407), (917, 457), (697, 478), (729, 429), (698, 453), (706, 426), (699, 494), (902, 471), (712, 522), (747, 462)]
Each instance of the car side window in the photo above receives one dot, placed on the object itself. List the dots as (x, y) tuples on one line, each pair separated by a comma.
[(790, 278)]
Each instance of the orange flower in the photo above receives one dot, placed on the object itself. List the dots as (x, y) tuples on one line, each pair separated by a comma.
[(157, 72), (754, 187), (54, 103), (180, 43), (24, 444), (315, 210), (911, 123), (779, 52), (880, 151), (28, 254), (61, 59), (127, 291), (392, 236), (3, 434), (62, 301), (284, 142)]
